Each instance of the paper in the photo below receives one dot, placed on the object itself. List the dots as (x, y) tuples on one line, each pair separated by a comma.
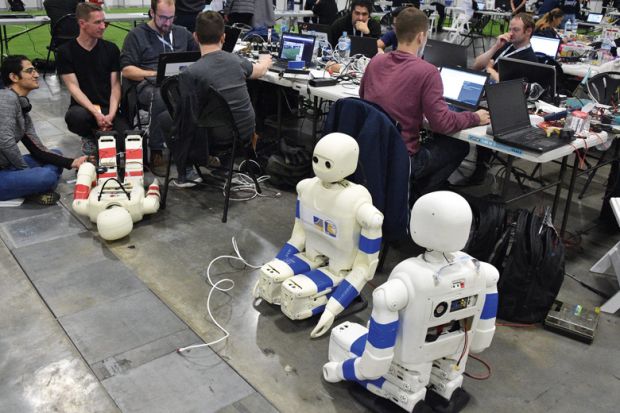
[(12, 202)]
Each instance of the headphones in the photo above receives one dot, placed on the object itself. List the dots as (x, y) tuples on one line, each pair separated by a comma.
[(24, 102)]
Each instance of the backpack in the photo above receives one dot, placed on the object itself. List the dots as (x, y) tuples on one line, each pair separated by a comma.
[(16, 5), (530, 260), (488, 225)]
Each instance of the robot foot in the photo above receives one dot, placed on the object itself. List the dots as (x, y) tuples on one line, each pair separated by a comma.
[(457, 402), (378, 404)]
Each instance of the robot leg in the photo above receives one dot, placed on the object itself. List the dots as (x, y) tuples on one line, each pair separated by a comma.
[(307, 294), (445, 391)]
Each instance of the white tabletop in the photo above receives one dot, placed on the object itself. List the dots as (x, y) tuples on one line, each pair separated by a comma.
[(579, 69), (293, 13), (121, 17), (21, 22)]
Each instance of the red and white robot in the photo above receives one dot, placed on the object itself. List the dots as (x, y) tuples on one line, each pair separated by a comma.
[(431, 313), (111, 197), (333, 251)]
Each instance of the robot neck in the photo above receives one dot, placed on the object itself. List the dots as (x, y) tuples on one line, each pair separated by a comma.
[(438, 256)]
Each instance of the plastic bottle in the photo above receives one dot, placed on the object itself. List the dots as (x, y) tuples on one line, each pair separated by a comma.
[(569, 27), (283, 28), (605, 52), (344, 46)]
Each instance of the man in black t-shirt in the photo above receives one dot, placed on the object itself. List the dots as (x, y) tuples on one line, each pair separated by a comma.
[(514, 44), (90, 66)]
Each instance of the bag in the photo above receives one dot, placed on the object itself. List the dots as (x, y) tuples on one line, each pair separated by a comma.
[(488, 225), (530, 260), (17, 5)]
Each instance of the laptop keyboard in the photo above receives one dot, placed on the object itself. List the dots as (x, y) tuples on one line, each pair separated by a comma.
[(533, 134)]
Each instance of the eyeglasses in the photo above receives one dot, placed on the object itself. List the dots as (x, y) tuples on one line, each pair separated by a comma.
[(166, 18), (30, 70)]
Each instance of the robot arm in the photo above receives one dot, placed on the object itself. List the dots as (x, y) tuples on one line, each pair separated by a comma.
[(486, 325), (86, 179), (150, 203), (378, 352), (363, 269)]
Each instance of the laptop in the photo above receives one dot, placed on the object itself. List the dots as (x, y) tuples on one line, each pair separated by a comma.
[(232, 35), (366, 46), (171, 64), (595, 18), (294, 48), (463, 88), (531, 72), (481, 5), (511, 122), (320, 31), (445, 54), (545, 45)]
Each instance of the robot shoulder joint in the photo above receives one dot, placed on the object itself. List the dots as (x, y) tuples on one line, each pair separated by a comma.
[(392, 295)]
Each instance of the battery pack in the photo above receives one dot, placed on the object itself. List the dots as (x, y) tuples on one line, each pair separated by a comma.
[(572, 321)]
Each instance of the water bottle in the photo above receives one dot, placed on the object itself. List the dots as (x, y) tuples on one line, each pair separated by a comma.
[(283, 28), (605, 52), (344, 46), (569, 27)]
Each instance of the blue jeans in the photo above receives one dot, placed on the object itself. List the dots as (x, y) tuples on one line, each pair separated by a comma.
[(36, 179), (433, 164)]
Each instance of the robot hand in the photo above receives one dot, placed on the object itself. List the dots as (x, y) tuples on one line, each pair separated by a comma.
[(325, 322), (331, 372)]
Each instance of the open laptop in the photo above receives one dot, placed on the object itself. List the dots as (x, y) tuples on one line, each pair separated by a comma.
[(294, 47), (366, 46), (531, 72), (595, 18), (174, 63), (320, 31), (230, 40), (546, 45), (481, 5), (463, 88), (511, 122), (445, 54)]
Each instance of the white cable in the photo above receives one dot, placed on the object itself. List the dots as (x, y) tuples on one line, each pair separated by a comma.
[(214, 286)]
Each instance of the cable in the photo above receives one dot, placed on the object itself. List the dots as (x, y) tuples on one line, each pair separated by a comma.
[(485, 364), (214, 287), (586, 286)]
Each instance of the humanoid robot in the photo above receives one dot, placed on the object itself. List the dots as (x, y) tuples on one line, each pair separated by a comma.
[(333, 251), (433, 310), (113, 195)]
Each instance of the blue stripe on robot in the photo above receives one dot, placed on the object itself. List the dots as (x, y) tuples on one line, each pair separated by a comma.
[(382, 335), (318, 310), (345, 293), (358, 345), (490, 307), (298, 265), (369, 246), (286, 251), (377, 382), (322, 281), (348, 370)]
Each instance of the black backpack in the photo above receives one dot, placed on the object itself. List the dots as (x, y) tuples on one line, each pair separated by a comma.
[(530, 260), (488, 225)]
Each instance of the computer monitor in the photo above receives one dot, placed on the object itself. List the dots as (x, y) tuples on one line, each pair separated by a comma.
[(596, 18), (366, 46), (320, 31), (295, 46), (546, 45), (170, 64), (463, 87), (531, 72), (445, 54)]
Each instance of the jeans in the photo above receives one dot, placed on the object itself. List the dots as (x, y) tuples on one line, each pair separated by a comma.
[(149, 96), (83, 123), (36, 179), (433, 164)]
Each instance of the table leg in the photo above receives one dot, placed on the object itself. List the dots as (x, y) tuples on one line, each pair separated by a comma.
[(558, 188), (315, 117), (4, 40), (509, 162), (279, 128), (569, 197)]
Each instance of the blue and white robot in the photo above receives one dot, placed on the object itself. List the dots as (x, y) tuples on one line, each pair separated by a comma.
[(333, 251), (431, 313)]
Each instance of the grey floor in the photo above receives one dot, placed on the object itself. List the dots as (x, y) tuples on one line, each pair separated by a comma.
[(90, 326)]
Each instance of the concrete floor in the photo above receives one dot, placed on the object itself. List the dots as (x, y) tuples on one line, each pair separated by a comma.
[(90, 326)]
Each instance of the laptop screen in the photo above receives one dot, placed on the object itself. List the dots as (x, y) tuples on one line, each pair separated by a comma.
[(319, 31), (595, 18), (366, 46), (296, 47), (545, 45), (441, 53), (507, 114), (171, 64), (461, 86), (531, 72), (232, 35)]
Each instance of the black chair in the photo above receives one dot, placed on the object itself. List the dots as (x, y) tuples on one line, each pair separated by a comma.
[(604, 88), (476, 24), (214, 117), (64, 30)]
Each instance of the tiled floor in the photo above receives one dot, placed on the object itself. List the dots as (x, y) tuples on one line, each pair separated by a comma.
[(90, 326)]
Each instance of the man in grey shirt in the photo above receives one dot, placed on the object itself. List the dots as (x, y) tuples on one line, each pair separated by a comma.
[(225, 72)]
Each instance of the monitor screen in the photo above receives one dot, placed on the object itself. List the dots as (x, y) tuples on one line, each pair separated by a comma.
[(595, 18), (297, 47), (531, 72), (507, 114), (546, 45), (442, 53), (462, 86)]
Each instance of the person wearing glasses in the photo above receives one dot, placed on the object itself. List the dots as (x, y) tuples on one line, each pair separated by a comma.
[(36, 174), (139, 59), (89, 66)]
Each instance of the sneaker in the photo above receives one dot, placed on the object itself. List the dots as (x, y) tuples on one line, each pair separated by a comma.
[(190, 180), (46, 199), (89, 147), (157, 163)]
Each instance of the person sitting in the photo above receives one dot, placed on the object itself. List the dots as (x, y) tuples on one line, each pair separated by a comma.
[(416, 91), (571, 9), (139, 60), (34, 175), (356, 23), (547, 6), (325, 11), (389, 38), (226, 73), (240, 11), (517, 6), (546, 26), (89, 66)]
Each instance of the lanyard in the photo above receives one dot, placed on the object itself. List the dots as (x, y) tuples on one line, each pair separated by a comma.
[(166, 43), (520, 49)]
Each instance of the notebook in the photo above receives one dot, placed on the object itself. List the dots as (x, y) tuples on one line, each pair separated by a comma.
[(174, 63), (294, 47), (232, 35), (445, 54), (511, 122), (320, 31), (462, 88), (596, 18), (366, 46), (545, 45)]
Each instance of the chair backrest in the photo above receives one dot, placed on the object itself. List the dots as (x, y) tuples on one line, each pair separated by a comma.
[(171, 95), (55, 9), (65, 29), (217, 118), (604, 88)]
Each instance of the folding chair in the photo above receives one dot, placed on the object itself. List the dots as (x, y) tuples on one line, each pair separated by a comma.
[(65, 29)]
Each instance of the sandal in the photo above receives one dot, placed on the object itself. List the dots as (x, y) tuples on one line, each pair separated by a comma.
[(46, 199)]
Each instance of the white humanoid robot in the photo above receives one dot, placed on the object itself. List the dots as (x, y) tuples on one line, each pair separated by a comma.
[(433, 310), (111, 197), (333, 251)]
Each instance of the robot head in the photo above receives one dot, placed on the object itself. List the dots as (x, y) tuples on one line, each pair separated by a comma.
[(114, 223), (441, 221), (335, 157)]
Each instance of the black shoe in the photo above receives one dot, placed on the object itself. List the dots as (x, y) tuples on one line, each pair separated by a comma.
[(477, 178), (46, 199)]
